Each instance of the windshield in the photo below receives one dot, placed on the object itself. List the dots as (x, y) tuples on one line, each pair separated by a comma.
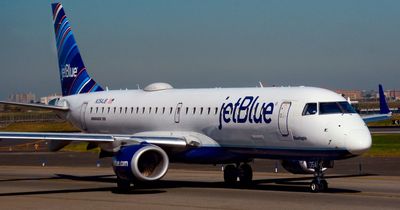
[(335, 108), (310, 109), (346, 107)]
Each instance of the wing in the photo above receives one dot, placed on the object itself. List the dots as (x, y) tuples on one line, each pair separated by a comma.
[(38, 106), (384, 112), (160, 138)]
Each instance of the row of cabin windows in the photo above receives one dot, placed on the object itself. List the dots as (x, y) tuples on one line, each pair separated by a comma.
[(156, 110)]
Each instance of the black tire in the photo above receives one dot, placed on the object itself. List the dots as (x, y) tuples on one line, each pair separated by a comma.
[(124, 186), (230, 174), (245, 174), (315, 187), (324, 185)]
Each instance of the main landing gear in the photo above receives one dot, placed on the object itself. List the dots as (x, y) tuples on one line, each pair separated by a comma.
[(318, 184), (242, 172)]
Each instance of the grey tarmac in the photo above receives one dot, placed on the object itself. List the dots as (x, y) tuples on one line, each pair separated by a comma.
[(91, 187)]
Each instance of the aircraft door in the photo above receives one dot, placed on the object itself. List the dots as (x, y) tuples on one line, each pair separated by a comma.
[(83, 116), (178, 111), (284, 118)]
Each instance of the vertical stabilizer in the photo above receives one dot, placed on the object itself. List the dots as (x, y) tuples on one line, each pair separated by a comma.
[(73, 75), (383, 106)]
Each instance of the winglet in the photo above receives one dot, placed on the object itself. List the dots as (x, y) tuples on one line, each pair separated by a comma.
[(383, 106)]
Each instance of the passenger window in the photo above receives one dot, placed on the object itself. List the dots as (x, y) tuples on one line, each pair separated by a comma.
[(187, 110), (120, 110), (156, 110), (170, 111), (97, 109), (131, 110), (201, 110), (149, 110), (143, 110), (310, 109), (108, 110), (91, 110), (137, 110), (209, 110), (115, 109), (126, 110), (216, 110), (102, 110), (194, 110)]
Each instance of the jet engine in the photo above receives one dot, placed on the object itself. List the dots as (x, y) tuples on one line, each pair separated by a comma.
[(143, 162), (304, 167)]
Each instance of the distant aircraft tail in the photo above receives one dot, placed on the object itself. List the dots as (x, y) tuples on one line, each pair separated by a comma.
[(73, 75), (383, 106)]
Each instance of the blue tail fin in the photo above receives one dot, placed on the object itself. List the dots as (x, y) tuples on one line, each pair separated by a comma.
[(384, 108), (73, 75)]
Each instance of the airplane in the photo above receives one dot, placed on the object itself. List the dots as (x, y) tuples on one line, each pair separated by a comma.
[(307, 128)]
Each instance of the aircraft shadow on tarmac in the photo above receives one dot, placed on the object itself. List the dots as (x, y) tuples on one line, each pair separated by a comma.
[(299, 184)]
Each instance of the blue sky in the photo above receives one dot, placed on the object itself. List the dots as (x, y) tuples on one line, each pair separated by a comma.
[(220, 43)]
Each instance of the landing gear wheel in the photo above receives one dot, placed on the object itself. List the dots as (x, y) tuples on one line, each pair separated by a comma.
[(318, 184), (315, 186), (245, 174), (324, 184), (124, 186), (230, 174)]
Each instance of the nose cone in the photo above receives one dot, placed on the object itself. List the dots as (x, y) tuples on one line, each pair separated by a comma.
[(359, 141)]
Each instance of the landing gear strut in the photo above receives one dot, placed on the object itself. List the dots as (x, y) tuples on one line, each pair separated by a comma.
[(243, 172), (318, 184)]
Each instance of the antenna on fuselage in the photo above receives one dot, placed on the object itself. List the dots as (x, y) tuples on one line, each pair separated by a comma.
[(260, 84)]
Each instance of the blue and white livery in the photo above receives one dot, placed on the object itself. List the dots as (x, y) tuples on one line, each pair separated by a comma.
[(144, 130)]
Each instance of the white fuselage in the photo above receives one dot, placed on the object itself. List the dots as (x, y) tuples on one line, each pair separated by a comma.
[(252, 118)]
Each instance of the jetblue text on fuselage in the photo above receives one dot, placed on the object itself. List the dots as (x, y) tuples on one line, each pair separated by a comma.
[(67, 71), (246, 109)]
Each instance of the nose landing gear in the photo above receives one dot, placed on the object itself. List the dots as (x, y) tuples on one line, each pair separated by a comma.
[(318, 184), (242, 172)]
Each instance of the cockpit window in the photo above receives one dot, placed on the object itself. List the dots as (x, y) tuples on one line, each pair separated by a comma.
[(310, 109), (346, 107), (329, 108), (335, 108)]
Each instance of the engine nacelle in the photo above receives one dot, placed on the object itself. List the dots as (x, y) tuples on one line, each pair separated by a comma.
[(144, 162), (303, 167)]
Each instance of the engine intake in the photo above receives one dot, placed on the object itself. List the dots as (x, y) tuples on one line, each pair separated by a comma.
[(144, 162)]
